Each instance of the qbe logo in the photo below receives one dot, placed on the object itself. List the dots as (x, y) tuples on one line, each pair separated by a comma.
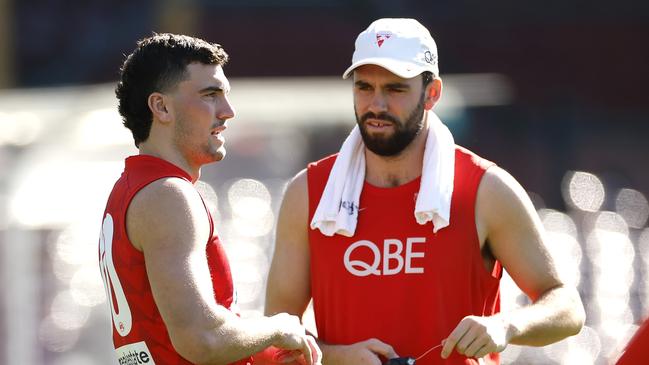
[(392, 259)]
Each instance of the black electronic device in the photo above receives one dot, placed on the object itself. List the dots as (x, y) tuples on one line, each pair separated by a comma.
[(400, 361)]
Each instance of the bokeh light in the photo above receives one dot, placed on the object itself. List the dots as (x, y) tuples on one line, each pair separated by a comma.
[(76, 245), (615, 334), (583, 191), (643, 290), (510, 294), (643, 246), (19, 128), (86, 286), (510, 354), (632, 205), (611, 253), (561, 239), (56, 339), (584, 348), (558, 222), (250, 203), (249, 282), (66, 313), (75, 263), (76, 359), (249, 271), (209, 196), (58, 201), (102, 127)]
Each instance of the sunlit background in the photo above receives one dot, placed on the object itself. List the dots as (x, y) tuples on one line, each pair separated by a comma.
[(554, 94)]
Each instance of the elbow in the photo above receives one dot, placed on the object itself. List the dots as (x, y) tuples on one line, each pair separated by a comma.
[(196, 346), (577, 316)]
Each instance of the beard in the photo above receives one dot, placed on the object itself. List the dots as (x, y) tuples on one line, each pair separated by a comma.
[(196, 145), (404, 131)]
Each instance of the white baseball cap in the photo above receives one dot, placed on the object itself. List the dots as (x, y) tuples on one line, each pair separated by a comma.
[(402, 46)]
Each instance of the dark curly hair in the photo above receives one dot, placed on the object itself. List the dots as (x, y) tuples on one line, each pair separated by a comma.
[(158, 64)]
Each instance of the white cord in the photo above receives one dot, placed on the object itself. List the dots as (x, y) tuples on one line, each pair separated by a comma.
[(429, 350)]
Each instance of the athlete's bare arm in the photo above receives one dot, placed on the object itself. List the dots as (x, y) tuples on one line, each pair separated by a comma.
[(509, 225), (289, 279), (167, 221), (289, 288)]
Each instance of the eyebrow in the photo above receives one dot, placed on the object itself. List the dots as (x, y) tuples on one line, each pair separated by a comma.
[(391, 85), (398, 85), (211, 89)]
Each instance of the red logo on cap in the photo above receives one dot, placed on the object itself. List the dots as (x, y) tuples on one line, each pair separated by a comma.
[(381, 37)]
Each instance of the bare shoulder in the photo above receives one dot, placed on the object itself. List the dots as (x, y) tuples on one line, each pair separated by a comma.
[(295, 203), (166, 207), (497, 184), (500, 195), (503, 208), (292, 221), (297, 192), (293, 217)]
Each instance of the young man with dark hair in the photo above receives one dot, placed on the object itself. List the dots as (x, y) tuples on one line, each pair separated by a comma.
[(166, 274)]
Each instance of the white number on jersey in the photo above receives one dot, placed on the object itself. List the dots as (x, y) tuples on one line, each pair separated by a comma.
[(122, 319)]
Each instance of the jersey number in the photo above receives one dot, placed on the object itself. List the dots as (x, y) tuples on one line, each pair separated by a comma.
[(120, 310)]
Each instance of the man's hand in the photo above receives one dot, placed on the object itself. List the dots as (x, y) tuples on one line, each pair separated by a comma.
[(476, 337), (295, 357), (293, 339), (367, 352)]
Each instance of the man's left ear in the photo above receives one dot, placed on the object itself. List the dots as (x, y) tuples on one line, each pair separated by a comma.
[(433, 93), (159, 107)]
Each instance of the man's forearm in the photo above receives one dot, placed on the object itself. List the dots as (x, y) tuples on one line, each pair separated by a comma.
[(557, 314)]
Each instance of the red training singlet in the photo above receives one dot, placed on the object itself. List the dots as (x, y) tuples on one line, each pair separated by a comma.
[(139, 333), (394, 279)]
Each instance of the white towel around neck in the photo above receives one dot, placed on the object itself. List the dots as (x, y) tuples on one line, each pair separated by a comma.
[(337, 211)]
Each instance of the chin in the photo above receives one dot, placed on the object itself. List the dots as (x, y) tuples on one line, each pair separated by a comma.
[(213, 157), (219, 155)]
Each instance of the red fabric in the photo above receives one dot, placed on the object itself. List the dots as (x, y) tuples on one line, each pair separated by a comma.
[(417, 295), (129, 267), (637, 350)]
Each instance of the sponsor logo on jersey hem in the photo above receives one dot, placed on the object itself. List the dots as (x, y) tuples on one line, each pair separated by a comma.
[(134, 354)]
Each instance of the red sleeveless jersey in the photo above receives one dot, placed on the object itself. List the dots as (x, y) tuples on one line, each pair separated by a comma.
[(139, 333), (396, 280)]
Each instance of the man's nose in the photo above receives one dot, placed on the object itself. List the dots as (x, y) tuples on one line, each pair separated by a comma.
[(227, 111), (378, 104)]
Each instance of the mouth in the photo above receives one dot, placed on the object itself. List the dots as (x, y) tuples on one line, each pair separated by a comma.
[(378, 123), (217, 131)]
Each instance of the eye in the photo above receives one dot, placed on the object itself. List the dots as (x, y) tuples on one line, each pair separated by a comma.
[(362, 86)]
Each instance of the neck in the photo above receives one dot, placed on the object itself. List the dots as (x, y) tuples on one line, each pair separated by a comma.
[(397, 170), (170, 155)]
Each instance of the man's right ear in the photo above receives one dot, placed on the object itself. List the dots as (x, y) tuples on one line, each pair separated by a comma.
[(158, 106)]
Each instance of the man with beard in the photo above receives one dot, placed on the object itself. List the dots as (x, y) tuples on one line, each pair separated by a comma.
[(166, 274), (400, 239)]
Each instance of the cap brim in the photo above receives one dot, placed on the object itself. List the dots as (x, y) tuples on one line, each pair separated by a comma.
[(405, 70)]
